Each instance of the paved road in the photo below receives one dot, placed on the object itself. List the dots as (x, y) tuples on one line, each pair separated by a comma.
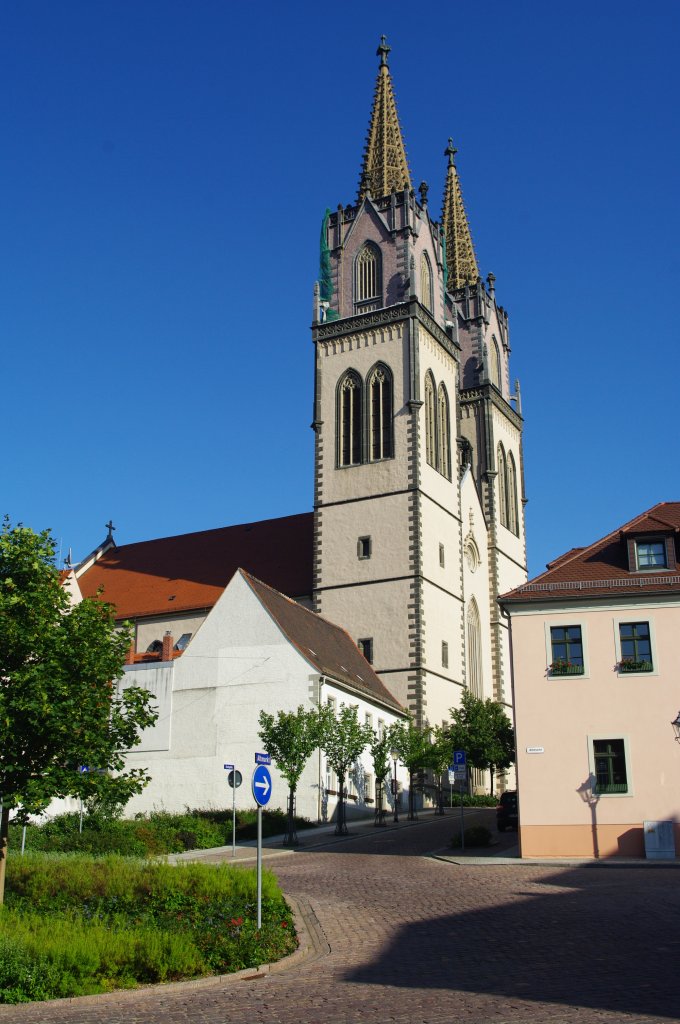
[(403, 938)]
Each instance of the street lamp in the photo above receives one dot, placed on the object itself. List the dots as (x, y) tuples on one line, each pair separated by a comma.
[(676, 725), (394, 754)]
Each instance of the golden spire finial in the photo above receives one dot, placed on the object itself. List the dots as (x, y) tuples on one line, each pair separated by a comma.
[(385, 168), (460, 254)]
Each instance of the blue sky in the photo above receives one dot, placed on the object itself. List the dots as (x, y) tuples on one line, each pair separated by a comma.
[(165, 168)]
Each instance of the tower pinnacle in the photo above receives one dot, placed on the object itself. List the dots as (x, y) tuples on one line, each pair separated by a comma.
[(460, 253), (385, 167)]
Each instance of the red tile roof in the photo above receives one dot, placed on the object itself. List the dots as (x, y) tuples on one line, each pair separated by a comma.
[(602, 569), (190, 572), (328, 647)]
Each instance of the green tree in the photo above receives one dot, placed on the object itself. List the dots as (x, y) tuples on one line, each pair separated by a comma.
[(380, 745), (439, 757), (60, 711), (483, 730), (343, 740), (413, 746), (291, 738)]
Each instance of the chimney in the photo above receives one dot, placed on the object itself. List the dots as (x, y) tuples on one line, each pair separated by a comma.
[(168, 644), (130, 656)]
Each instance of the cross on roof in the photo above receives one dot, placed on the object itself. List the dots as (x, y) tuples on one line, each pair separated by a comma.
[(110, 527)]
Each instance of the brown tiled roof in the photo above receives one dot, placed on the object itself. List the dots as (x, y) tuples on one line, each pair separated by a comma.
[(190, 572), (602, 569), (329, 648)]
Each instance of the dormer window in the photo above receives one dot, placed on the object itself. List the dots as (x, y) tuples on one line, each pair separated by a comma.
[(651, 554)]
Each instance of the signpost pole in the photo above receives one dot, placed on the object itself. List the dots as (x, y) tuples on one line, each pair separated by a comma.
[(259, 867), (233, 821), (462, 823)]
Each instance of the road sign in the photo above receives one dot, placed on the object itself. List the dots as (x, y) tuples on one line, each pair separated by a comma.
[(263, 759), (262, 785), (452, 777), (228, 767), (460, 775), (234, 779), (459, 759)]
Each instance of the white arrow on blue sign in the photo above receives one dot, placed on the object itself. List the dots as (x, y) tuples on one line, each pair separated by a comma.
[(459, 760), (262, 785)]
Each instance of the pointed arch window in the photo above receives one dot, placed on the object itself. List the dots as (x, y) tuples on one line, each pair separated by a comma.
[(380, 413), (430, 422), (495, 364), (368, 277), (443, 433), (349, 419), (426, 282), (502, 485), (513, 520), (474, 651)]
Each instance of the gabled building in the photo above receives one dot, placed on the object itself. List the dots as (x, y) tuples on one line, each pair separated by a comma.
[(249, 648), (596, 687)]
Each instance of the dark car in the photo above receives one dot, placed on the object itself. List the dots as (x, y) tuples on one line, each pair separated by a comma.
[(507, 811)]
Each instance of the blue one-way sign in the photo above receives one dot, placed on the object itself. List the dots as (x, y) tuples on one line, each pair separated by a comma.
[(262, 785)]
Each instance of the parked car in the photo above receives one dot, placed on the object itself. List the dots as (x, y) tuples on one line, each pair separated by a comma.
[(507, 814)]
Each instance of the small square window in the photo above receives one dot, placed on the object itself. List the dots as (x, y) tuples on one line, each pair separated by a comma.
[(651, 554), (442, 561), (636, 647), (609, 759), (366, 648), (567, 651), (445, 654), (364, 547), (183, 641)]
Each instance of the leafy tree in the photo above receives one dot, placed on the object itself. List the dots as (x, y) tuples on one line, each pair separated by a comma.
[(343, 740), (291, 738), (483, 730), (439, 758), (59, 708), (380, 745), (413, 746)]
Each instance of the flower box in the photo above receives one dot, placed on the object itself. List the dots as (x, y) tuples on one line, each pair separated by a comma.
[(565, 668), (628, 665)]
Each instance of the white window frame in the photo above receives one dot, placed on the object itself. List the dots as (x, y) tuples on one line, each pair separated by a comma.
[(611, 734), (567, 620), (643, 616)]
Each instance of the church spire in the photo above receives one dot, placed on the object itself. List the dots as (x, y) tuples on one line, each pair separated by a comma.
[(385, 167), (460, 253)]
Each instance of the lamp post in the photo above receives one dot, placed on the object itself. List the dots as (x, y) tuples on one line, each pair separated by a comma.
[(394, 754), (676, 726)]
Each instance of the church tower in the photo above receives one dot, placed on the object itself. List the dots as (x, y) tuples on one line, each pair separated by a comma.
[(418, 459)]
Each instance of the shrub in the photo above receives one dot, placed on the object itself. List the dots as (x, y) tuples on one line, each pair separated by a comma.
[(476, 835)]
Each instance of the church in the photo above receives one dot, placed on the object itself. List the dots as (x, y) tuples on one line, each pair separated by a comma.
[(418, 519)]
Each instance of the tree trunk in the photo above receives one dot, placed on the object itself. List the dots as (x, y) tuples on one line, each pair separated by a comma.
[(290, 838), (341, 825), (4, 833), (491, 770)]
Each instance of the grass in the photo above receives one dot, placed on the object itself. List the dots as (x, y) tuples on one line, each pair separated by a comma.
[(148, 835), (75, 925)]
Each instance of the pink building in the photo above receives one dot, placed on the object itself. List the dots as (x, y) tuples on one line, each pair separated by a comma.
[(596, 675)]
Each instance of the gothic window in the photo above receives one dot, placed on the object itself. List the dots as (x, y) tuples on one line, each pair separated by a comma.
[(349, 419), (380, 413), (511, 474), (426, 282), (495, 375), (443, 433), (367, 275), (502, 486), (430, 422), (474, 651)]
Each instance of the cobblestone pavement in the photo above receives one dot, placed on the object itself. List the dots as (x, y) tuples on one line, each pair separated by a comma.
[(397, 936)]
